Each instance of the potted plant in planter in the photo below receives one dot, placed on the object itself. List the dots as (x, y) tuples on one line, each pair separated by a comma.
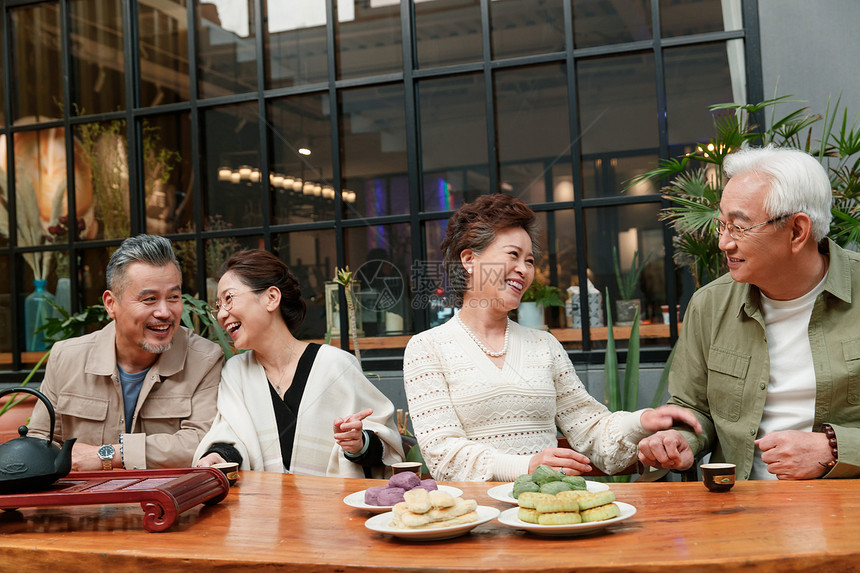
[(627, 307), (536, 298)]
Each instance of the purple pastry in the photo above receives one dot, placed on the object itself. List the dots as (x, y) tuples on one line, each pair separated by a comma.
[(405, 480), (390, 495), (429, 484), (371, 495)]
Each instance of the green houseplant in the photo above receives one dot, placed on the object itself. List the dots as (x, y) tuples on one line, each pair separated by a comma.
[(627, 307), (537, 298)]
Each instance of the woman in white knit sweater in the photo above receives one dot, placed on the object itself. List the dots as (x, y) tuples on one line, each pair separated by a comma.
[(485, 393)]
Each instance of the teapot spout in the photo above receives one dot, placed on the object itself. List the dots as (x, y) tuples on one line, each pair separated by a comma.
[(63, 461)]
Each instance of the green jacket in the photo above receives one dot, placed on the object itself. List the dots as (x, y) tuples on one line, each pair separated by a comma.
[(721, 366)]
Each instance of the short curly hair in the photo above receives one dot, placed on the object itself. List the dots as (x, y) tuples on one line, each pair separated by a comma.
[(474, 226)]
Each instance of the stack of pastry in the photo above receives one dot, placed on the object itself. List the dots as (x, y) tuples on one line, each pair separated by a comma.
[(424, 510), (567, 507)]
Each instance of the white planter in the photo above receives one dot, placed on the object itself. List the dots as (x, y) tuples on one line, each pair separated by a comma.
[(531, 315)]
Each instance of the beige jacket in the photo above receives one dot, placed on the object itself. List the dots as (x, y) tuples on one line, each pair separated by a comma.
[(175, 409)]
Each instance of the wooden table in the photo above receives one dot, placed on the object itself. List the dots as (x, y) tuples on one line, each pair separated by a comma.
[(275, 522)]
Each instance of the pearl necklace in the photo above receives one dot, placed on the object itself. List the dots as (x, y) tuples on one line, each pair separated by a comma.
[(483, 346)]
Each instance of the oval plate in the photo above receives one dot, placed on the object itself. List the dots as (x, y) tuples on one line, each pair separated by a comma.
[(380, 524), (509, 518), (356, 499), (505, 491)]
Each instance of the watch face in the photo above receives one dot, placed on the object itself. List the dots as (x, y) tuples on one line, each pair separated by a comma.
[(106, 452)]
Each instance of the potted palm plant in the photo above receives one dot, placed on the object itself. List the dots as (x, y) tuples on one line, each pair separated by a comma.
[(535, 300), (627, 307)]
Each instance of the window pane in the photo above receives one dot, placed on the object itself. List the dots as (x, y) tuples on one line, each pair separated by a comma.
[(607, 174), (226, 48), (98, 61), (696, 78), (618, 113), (295, 43), (373, 151), (448, 32), (380, 257), (629, 229), (432, 291), (301, 184), (532, 120), (604, 22), (92, 268), (37, 64), (684, 17), (5, 306), (230, 166), (163, 34), (168, 173), (2, 102), (524, 27), (105, 154), (312, 257), (367, 36), (453, 130)]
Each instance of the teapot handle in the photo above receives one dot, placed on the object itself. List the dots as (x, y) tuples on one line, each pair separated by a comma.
[(44, 400)]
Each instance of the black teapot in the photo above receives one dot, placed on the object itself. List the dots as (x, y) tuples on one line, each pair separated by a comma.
[(31, 464)]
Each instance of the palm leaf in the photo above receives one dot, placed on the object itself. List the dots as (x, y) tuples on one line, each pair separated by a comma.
[(610, 365)]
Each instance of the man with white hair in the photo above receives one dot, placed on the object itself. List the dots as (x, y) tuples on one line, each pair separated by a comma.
[(768, 358), (141, 392)]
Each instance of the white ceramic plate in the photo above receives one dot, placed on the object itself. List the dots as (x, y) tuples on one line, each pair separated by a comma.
[(505, 491), (357, 499), (380, 523), (509, 518)]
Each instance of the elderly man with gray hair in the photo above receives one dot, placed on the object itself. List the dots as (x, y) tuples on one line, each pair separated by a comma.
[(141, 392), (768, 358)]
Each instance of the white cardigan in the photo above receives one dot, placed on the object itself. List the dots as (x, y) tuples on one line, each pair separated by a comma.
[(336, 387)]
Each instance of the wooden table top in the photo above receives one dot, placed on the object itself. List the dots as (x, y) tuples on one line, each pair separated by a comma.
[(280, 522)]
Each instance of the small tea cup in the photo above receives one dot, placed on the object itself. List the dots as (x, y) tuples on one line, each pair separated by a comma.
[(230, 471), (718, 477), (414, 467)]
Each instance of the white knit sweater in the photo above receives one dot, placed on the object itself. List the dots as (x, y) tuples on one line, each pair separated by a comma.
[(477, 422)]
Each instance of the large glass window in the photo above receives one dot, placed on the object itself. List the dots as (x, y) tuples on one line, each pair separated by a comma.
[(295, 43), (36, 62), (104, 156), (98, 57), (168, 173), (301, 181), (163, 52), (453, 141), (533, 130), (226, 48), (373, 151)]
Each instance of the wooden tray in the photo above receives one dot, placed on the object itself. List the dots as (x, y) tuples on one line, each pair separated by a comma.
[(163, 494)]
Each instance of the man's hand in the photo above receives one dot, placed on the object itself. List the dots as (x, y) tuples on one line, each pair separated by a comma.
[(85, 458), (667, 450), (792, 454), (563, 460), (347, 431)]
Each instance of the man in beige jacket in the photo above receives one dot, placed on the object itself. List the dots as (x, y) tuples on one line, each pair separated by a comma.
[(140, 392)]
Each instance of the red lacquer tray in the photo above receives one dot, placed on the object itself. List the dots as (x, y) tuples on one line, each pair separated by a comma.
[(163, 493)]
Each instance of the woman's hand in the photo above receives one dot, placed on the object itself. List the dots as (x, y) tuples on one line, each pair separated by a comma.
[(210, 460), (347, 431), (665, 417), (561, 459)]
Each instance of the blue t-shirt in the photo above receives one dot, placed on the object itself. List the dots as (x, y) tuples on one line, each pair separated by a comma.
[(131, 385)]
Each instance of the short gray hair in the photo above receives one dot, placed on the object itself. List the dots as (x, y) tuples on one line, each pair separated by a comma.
[(798, 183), (149, 249)]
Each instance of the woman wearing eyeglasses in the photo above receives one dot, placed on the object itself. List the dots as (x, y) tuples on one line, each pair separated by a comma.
[(279, 404)]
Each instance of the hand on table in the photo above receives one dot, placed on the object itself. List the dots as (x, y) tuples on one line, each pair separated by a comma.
[(347, 431), (792, 454), (210, 460), (561, 459), (666, 450)]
